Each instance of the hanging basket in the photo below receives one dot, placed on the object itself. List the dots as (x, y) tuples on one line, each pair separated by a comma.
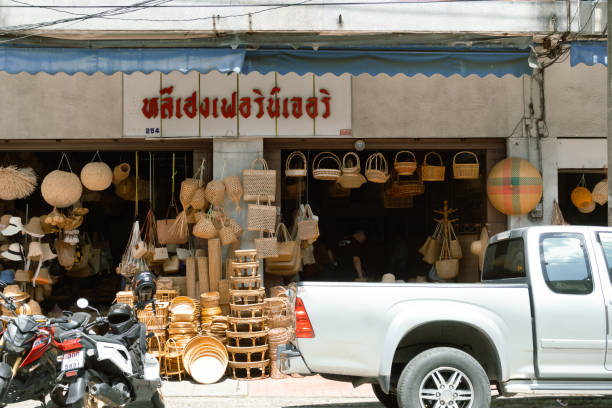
[(447, 268), (466, 171), (431, 172), (300, 171), (233, 189), (331, 173), (348, 167), (406, 187), (405, 163), (600, 192), (61, 188), (256, 182), (121, 172), (377, 169), (215, 192)]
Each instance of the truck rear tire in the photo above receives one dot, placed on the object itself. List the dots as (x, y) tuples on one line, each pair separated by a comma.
[(444, 376), (388, 400)]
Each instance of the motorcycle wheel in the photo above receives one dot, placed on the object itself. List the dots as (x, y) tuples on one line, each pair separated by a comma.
[(84, 403)]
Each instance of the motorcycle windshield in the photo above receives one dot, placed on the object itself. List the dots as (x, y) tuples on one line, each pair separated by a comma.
[(15, 340)]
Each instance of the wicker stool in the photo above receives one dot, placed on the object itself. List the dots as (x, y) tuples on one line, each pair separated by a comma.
[(247, 339), (252, 310), (245, 255), (245, 268), (246, 282), (174, 360), (247, 325), (247, 297), (157, 347), (250, 371)]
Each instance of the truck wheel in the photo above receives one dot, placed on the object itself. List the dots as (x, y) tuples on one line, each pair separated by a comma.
[(444, 377), (388, 400)]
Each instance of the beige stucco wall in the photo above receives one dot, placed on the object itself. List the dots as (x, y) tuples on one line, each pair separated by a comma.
[(436, 106), (60, 106), (576, 100)]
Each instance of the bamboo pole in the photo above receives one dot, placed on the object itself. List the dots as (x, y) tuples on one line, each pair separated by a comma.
[(214, 263), (203, 283)]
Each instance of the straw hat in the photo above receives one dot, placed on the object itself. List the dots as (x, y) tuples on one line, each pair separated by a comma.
[(388, 278), (14, 252), (22, 276), (35, 250), (47, 254), (14, 226), (479, 247), (34, 228), (4, 221), (14, 292)]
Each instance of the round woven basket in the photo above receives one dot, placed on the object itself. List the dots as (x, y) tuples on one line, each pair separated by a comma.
[(405, 163), (205, 228), (581, 197), (350, 181), (96, 176), (377, 169), (61, 188), (600, 192), (294, 158), (432, 172), (215, 192), (447, 268), (331, 173), (466, 171), (350, 163)]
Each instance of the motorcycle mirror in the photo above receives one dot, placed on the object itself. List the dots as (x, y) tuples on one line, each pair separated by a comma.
[(82, 303)]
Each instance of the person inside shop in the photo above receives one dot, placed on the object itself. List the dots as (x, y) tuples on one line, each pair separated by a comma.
[(347, 257)]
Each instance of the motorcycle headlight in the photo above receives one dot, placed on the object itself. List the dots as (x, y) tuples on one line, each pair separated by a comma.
[(12, 348)]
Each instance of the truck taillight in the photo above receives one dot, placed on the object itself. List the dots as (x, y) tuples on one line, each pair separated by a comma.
[(303, 328)]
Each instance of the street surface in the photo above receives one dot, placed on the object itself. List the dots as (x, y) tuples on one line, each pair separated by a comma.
[(313, 392)]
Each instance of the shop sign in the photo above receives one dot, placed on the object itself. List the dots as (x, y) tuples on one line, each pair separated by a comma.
[(214, 105)]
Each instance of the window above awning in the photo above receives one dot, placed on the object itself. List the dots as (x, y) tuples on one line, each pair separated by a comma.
[(589, 53), (429, 61)]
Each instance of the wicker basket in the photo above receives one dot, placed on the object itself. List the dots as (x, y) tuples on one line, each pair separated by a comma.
[(257, 182), (326, 173), (377, 169), (406, 166), (301, 171), (126, 297), (261, 217), (352, 168), (391, 201), (466, 171), (267, 247), (430, 172), (154, 319), (166, 295), (600, 192), (406, 187)]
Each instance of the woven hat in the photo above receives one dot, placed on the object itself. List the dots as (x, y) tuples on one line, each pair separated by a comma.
[(14, 226), (35, 250), (479, 247), (121, 172), (16, 183), (34, 228), (14, 292), (14, 252), (22, 276), (47, 253), (4, 221)]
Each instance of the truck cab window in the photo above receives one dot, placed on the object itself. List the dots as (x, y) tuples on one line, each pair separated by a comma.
[(504, 260), (605, 239), (565, 264)]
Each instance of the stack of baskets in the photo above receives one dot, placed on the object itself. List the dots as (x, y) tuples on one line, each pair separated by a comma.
[(210, 309), (126, 296), (277, 312), (183, 326), (247, 336), (205, 359)]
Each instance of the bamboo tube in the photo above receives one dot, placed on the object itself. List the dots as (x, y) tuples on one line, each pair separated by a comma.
[(190, 268), (203, 274), (214, 263)]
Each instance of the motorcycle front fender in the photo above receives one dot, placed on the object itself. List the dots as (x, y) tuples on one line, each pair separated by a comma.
[(76, 390)]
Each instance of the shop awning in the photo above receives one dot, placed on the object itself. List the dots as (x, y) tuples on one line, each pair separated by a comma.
[(417, 60), (589, 52)]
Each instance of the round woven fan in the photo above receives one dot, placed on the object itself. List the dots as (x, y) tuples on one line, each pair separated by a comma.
[(16, 183)]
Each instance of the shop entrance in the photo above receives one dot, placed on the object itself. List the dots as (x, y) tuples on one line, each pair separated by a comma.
[(394, 230)]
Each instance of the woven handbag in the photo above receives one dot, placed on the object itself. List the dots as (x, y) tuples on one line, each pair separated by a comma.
[(407, 165), (286, 247), (455, 247), (267, 247), (257, 182), (261, 217), (307, 224), (300, 171), (466, 171), (330, 173), (432, 172), (226, 233), (377, 169)]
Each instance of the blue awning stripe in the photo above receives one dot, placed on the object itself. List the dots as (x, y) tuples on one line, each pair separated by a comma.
[(427, 61), (589, 53)]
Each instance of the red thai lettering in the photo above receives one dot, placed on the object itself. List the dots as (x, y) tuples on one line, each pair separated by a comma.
[(179, 114), (259, 101), (273, 103), (285, 108), (229, 110), (167, 103), (205, 107), (325, 101), (296, 107), (215, 113), (312, 107), (190, 105), (245, 107), (150, 107)]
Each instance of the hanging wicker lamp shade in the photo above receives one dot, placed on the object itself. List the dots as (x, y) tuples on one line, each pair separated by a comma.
[(514, 186), (581, 197), (61, 188), (96, 176)]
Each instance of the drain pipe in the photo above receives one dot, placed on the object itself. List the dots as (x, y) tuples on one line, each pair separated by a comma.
[(609, 88)]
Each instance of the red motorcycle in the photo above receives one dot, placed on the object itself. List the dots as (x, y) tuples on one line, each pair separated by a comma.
[(29, 351)]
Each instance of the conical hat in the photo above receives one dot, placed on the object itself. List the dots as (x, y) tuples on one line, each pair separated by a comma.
[(479, 247), (34, 228)]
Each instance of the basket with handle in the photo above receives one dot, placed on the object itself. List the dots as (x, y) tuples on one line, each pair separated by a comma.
[(326, 173), (600, 192), (377, 169), (300, 171), (432, 172), (261, 216), (266, 246), (466, 171), (405, 163), (256, 182), (348, 166), (407, 187)]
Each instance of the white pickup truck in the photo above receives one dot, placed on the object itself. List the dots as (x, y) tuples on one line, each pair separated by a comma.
[(538, 323)]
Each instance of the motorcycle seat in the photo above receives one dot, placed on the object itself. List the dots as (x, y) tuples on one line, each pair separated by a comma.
[(76, 320)]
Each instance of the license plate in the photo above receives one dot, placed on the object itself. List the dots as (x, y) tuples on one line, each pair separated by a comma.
[(73, 360)]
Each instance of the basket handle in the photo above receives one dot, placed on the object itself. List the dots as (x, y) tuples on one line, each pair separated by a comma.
[(435, 154), (329, 155), (263, 195), (352, 154), (466, 152), (261, 160), (282, 232), (379, 162), (293, 155), (395, 160)]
